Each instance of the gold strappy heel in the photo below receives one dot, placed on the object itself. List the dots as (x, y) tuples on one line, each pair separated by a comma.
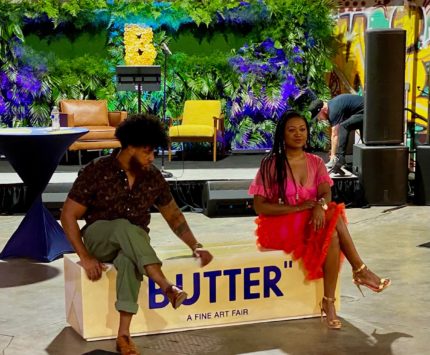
[(383, 283), (331, 324)]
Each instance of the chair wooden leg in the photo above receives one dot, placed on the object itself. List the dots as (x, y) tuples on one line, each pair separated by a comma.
[(169, 151), (214, 148), (222, 145)]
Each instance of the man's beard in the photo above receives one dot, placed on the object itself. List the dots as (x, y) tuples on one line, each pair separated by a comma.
[(135, 166)]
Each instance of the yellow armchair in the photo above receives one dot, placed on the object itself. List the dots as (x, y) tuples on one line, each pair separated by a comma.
[(201, 121)]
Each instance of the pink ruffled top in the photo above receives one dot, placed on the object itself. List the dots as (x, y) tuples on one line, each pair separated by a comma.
[(316, 175)]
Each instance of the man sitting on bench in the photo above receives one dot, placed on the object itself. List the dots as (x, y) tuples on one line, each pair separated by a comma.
[(114, 195)]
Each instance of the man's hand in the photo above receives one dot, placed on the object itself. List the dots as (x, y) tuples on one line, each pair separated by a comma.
[(204, 255), (93, 268)]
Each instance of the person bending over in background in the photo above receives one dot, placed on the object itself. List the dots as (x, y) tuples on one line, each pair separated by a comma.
[(345, 113), (292, 197), (114, 195)]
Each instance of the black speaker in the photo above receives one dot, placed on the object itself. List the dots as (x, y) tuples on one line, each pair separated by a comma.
[(383, 173), (422, 175), (223, 198), (384, 99)]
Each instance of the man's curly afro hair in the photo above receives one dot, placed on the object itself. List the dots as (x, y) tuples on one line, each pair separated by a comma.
[(141, 130)]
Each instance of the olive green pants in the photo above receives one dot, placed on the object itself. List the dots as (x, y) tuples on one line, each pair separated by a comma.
[(128, 247)]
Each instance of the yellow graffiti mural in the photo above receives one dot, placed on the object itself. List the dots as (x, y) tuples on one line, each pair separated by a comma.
[(349, 60), (350, 57)]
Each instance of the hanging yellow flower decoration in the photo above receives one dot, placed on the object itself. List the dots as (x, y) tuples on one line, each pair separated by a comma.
[(139, 49)]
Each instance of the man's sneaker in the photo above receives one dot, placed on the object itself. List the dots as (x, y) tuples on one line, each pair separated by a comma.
[(331, 163)]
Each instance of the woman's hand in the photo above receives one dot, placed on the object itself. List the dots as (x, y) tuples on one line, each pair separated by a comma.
[(318, 217), (306, 205)]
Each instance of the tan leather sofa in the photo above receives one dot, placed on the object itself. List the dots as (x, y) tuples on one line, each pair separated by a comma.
[(93, 115)]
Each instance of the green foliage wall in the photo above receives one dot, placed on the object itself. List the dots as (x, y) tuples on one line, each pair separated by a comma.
[(72, 48)]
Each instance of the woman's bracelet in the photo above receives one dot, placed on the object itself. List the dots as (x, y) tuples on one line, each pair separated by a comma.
[(322, 203)]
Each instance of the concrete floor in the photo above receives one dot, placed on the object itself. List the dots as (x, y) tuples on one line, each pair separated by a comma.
[(397, 321)]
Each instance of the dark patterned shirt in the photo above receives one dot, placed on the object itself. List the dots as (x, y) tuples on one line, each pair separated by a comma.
[(102, 186)]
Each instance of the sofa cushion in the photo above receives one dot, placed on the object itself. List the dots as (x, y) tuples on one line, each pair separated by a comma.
[(98, 133), (104, 144), (191, 131), (86, 112)]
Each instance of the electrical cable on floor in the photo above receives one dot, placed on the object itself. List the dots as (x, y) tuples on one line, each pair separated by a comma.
[(180, 194), (179, 191), (394, 208), (383, 214), (7, 345), (185, 201)]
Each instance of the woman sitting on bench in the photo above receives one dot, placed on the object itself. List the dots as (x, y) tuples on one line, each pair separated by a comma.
[(292, 197)]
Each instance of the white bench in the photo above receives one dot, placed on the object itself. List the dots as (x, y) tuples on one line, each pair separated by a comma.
[(241, 285)]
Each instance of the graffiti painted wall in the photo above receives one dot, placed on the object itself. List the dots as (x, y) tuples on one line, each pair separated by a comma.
[(349, 74)]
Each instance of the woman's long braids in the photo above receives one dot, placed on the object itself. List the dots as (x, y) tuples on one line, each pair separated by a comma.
[(278, 156)]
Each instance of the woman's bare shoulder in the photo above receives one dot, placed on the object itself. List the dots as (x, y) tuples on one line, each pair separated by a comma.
[(314, 158)]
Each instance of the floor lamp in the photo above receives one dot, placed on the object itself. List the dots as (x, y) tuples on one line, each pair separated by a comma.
[(143, 78)]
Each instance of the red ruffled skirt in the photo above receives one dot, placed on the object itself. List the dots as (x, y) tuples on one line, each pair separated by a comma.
[(293, 234)]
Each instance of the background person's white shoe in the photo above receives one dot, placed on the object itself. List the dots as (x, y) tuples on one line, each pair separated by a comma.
[(331, 163)]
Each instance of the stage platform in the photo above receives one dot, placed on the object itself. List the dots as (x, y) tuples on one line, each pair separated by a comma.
[(189, 184)]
